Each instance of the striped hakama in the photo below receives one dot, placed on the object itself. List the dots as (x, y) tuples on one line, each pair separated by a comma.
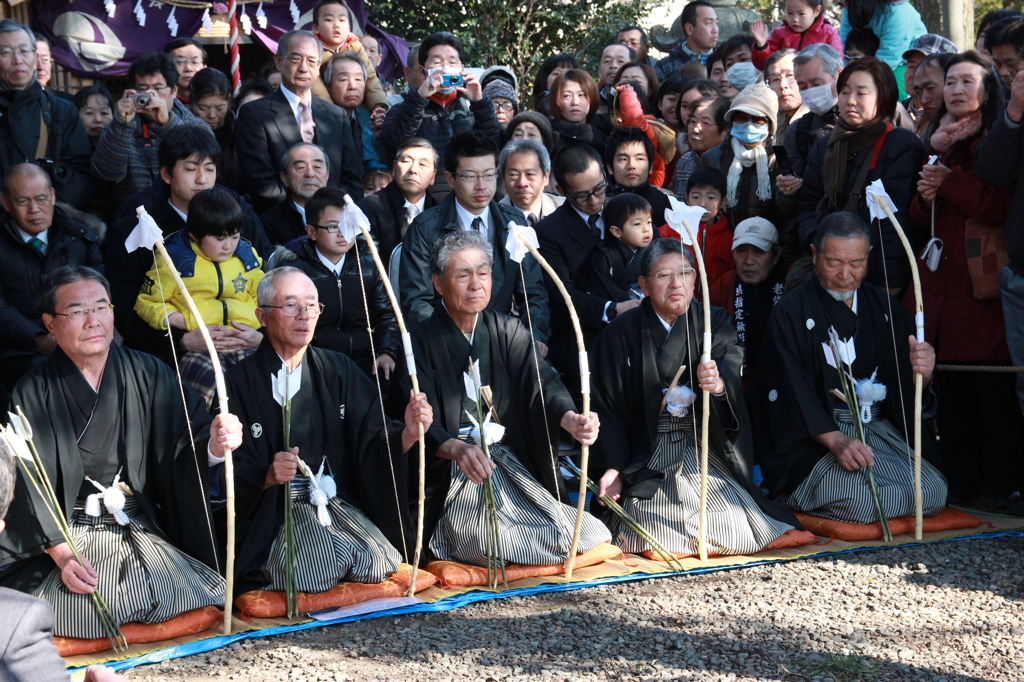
[(351, 549), (832, 492), (142, 577), (734, 522), (536, 529)]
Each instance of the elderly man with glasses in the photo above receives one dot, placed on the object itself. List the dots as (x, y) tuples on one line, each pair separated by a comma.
[(36, 238), (361, 531), (189, 57), (648, 456), (126, 155), (37, 124), (267, 128), (105, 414), (471, 170)]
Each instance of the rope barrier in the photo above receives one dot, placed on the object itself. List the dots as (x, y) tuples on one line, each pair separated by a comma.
[(978, 368)]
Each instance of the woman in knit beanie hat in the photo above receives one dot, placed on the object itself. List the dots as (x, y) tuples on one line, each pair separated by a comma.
[(504, 98), (745, 156)]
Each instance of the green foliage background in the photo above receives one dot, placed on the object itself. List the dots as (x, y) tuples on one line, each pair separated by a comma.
[(519, 34)]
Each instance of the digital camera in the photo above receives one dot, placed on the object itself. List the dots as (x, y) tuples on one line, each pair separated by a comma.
[(452, 80), (141, 100), (59, 170)]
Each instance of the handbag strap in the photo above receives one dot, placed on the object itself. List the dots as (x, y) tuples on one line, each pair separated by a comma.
[(853, 202)]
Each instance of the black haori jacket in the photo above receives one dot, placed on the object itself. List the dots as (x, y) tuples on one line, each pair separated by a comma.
[(505, 349), (162, 453), (629, 375), (336, 413)]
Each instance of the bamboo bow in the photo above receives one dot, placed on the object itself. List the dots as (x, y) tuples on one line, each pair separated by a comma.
[(705, 399), (410, 362), (222, 400), (877, 194), (526, 242)]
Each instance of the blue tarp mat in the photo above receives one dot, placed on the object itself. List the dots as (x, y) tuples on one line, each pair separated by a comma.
[(464, 599)]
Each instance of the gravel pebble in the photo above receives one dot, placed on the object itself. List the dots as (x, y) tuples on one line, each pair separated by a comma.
[(947, 612)]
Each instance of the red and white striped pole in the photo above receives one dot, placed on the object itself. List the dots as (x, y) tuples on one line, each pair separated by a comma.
[(236, 72)]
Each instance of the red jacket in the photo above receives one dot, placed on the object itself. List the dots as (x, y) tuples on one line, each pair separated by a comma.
[(715, 244), (633, 115), (819, 32), (960, 327)]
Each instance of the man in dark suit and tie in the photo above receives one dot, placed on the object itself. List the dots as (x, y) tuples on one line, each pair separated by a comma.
[(266, 128), (471, 169), (393, 209), (567, 238)]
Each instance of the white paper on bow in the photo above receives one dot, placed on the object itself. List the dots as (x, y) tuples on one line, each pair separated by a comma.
[(473, 382), (876, 190), (680, 212), (518, 236), (352, 221), (15, 442), (285, 384), (145, 235)]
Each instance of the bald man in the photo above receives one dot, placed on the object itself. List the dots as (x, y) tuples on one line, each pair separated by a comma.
[(36, 238)]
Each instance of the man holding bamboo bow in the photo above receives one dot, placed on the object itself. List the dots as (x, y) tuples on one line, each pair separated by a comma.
[(491, 472), (831, 452), (343, 464), (128, 453), (647, 374)]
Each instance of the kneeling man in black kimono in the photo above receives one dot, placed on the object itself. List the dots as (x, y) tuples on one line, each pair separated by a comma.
[(809, 452), (351, 516), (530, 402), (126, 448)]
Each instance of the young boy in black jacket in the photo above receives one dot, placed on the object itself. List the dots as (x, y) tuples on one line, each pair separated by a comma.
[(615, 263)]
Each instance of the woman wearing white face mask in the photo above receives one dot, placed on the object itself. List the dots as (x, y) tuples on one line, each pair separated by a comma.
[(864, 146), (977, 411), (745, 156)]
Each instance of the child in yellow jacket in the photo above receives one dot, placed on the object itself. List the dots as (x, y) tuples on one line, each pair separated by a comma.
[(221, 271)]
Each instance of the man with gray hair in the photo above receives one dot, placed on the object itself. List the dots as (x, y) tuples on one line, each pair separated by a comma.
[(362, 530), (525, 168), (346, 78), (266, 128), (529, 401), (304, 170), (37, 124), (810, 454)]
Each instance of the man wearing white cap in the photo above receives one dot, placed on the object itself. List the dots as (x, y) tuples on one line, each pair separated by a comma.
[(750, 292)]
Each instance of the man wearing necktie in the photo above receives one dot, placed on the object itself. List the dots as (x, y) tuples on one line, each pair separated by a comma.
[(393, 209), (567, 237), (36, 238), (471, 171), (266, 128), (525, 167)]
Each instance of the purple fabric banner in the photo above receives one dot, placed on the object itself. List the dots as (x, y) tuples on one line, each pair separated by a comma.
[(90, 43)]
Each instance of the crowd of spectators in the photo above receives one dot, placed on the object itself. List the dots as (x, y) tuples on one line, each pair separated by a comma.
[(770, 132)]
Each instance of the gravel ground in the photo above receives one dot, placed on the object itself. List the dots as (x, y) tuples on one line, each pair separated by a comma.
[(944, 612)]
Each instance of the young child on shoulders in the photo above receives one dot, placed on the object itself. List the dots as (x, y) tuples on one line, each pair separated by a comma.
[(221, 271), (804, 25), (706, 188), (615, 262), (860, 43), (334, 26)]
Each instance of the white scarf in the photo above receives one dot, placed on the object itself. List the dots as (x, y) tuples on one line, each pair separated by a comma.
[(741, 158)]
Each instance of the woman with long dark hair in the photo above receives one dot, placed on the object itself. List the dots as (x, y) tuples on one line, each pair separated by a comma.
[(979, 422), (550, 70), (863, 147)]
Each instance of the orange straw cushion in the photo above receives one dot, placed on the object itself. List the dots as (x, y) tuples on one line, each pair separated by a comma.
[(182, 625), (947, 519), (453, 574), (267, 604), (791, 538)]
